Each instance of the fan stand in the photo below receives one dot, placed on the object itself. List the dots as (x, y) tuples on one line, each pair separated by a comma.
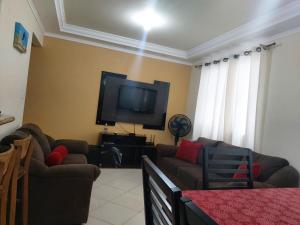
[(176, 138)]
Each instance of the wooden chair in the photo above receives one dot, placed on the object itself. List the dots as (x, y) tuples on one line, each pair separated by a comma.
[(220, 165), (190, 214), (21, 173), (161, 196), (1, 170), (8, 161)]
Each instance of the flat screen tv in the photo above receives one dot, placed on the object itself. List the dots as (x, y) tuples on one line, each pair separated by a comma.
[(137, 99), (128, 101)]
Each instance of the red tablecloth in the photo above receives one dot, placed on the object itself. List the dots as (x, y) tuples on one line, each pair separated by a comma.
[(279, 206)]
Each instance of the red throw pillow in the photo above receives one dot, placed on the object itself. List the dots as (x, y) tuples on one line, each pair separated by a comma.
[(189, 151), (256, 170), (62, 150), (57, 156)]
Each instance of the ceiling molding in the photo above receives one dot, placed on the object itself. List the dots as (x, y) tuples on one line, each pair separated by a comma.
[(112, 38), (107, 37), (281, 35), (283, 14), (251, 31), (116, 48), (237, 49), (36, 16)]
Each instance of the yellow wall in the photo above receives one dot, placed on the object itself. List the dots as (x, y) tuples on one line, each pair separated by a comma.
[(64, 80)]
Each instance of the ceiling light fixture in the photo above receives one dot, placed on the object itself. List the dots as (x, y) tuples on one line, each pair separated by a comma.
[(148, 19)]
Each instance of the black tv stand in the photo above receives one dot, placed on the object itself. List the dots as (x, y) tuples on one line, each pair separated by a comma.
[(132, 147), (122, 139)]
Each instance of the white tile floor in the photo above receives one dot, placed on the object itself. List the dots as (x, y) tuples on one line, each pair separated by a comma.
[(117, 198)]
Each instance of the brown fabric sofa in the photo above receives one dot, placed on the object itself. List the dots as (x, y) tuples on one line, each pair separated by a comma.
[(275, 171), (58, 195)]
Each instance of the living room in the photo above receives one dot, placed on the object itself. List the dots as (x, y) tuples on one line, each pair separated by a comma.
[(231, 76)]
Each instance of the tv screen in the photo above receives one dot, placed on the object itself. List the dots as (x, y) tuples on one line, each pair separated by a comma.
[(137, 99)]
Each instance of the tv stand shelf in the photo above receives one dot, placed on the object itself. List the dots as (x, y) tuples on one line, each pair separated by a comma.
[(132, 148)]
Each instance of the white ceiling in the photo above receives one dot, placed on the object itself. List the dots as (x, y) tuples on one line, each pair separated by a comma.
[(191, 24)]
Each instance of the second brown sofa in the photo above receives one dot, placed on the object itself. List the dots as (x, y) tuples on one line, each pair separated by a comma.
[(275, 171)]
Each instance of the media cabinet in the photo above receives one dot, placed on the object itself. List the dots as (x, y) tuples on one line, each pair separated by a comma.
[(132, 147)]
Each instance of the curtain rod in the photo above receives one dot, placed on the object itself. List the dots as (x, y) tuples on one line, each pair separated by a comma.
[(236, 56)]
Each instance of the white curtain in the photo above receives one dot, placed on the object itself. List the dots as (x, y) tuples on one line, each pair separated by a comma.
[(227, 99)]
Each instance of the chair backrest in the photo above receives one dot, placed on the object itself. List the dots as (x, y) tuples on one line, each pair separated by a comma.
[(220, 165), (7, 160), (23, 145), (1, 170), (161, 196), (190, 214)]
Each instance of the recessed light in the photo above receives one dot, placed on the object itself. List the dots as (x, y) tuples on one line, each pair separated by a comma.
[(148, 19)]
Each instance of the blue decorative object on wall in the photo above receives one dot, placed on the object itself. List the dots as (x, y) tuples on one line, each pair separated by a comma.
[(20, 38)]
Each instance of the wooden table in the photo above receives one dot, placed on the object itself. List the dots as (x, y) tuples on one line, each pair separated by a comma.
[(280, 206)]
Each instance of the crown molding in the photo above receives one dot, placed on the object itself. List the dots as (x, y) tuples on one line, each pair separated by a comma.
[(280, 35), (112, 38), (115, 39), (269, 21), (266, 40), (36, 16), (116, 48), (251, 31)]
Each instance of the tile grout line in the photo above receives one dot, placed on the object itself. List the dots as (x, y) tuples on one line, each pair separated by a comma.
[(119, 195)]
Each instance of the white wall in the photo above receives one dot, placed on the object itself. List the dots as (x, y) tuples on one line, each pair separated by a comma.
[(14, 65), (193, 94), (281, 131)]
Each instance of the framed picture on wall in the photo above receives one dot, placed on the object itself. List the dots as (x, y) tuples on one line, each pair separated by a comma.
[(20, 37)]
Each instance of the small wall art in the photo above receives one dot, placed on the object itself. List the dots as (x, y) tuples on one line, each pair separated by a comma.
[(20, 37)]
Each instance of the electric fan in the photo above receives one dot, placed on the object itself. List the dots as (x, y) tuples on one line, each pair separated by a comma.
[(179, 126)]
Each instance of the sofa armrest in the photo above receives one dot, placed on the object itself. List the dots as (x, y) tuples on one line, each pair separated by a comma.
[(74, 146), (87, 171), (60, 194), (287, 176), (166, 150), (74, 171)]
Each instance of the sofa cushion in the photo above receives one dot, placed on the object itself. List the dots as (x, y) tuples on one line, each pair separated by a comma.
[(37, 133), (190, 176), (75, 159), (171, 165), (37, 153), (257, 184), (189, 151), (269, 165), (207, 143), (222, 144)]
